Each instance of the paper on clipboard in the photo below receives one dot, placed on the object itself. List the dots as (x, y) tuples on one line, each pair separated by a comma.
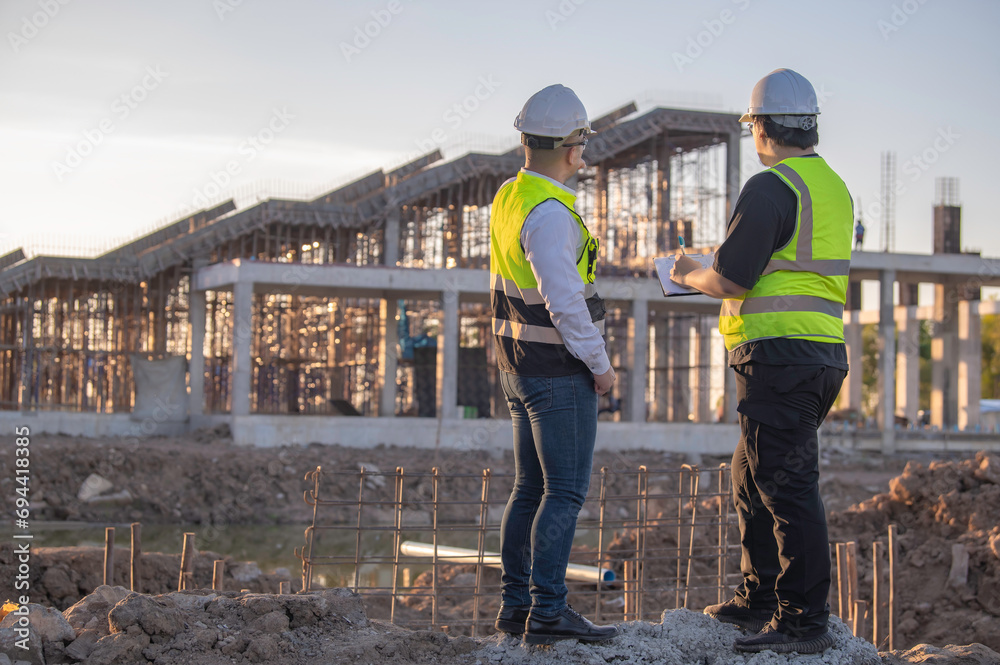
[(664, 264)]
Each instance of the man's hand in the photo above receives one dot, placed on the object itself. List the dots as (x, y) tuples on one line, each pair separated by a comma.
[(682, 267), (603, 382)]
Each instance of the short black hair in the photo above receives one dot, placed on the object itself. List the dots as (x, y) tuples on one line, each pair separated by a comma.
[(790, 137)]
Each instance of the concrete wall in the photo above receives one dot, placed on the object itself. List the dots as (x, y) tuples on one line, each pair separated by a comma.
[(98, 425)]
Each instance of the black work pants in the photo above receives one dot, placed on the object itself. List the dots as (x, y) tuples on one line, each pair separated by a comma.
[(786, 554)]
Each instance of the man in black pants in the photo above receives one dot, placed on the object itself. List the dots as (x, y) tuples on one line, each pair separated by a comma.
[(783, 273)]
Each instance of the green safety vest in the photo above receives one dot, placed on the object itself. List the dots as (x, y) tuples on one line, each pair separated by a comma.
[(802, 291), (526, 340)]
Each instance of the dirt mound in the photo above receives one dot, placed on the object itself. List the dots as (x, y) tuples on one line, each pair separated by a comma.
[(936, 506), (60, 576), (115, 626)]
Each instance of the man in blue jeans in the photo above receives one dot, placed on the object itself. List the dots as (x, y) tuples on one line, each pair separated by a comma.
[(547, 322)]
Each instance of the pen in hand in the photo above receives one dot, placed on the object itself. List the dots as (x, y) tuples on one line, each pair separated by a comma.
[(680, 239)]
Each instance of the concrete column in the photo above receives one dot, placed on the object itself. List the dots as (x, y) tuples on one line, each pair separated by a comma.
[(907, 362), (944, 357), (638, 352), (447, 358), (388, 357), (970, 365), (887, 361), (242, 356), (390, 248), (196, 361), (659, 410), (851, 390), (680, 367), (701, 388)]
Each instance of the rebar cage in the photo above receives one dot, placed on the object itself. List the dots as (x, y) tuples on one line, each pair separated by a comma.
[(421, 548)]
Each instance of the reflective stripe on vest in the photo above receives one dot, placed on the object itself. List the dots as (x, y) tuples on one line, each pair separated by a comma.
[(802, 290), (527, 341)]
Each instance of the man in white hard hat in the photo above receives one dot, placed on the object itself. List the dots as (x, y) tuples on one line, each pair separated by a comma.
[(782, 273), (548, 322)]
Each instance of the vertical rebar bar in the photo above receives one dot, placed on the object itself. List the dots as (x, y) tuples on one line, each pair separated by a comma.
[(310, 533), (842, 610), (187, 559), (680, 522), (396, 538), (135, 557), (601, 558), (695, 477), (723, 535), (218, 574), (860, 616), (852, 576), (483, 517), (109, 556), (357, 537), (893, 600), (643, 520), (435, 478), (877, 593)]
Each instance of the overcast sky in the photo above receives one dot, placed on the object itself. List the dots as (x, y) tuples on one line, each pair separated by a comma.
[(118, 115)]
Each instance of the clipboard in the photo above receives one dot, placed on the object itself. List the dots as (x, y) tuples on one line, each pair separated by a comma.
[(664, 264)]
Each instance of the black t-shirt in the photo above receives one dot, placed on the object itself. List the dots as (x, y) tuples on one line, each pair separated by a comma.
[(764, 221)]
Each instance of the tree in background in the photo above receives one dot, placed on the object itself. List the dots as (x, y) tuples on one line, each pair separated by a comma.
[(991, 357), (869, 371)]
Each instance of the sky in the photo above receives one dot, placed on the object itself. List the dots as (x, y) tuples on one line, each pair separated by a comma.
[(119, 116)]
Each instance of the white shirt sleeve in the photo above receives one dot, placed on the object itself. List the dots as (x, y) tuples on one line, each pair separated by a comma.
[(552, 242)]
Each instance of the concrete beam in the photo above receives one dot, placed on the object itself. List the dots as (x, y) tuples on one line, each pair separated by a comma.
[(936, 268)]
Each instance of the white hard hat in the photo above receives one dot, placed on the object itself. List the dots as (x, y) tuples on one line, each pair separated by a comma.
[(554, 111), (787, 97)]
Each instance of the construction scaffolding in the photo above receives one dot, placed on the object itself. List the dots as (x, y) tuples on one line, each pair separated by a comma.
[(69, 326)]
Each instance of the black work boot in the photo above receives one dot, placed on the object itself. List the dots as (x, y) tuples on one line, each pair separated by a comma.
[(744, 617), (566, 625), (779, 642), (511, 620)]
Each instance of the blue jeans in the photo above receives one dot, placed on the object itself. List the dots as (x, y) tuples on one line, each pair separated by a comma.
[(555, 428)]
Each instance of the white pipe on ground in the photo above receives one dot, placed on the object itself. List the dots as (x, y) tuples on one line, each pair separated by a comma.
[(574, 571)]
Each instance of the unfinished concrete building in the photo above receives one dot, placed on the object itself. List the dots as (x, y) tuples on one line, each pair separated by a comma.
[(369, 306), (370, 300)]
